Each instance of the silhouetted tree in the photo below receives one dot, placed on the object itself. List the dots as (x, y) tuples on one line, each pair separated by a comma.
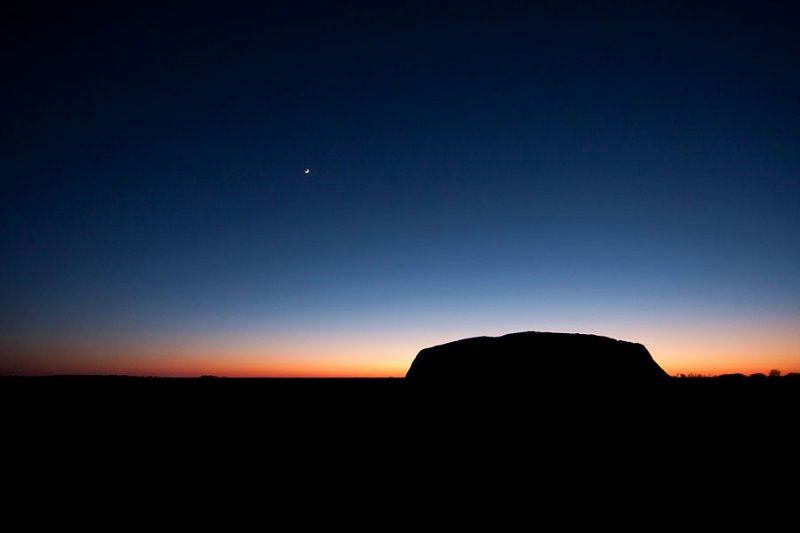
[(774, 373)]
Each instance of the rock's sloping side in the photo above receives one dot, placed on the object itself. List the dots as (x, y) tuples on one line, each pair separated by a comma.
[(536, 357)]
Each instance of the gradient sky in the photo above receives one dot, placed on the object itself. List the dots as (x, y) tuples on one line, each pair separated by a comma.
[(623, 169)]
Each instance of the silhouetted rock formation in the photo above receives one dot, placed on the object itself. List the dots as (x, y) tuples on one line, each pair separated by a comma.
[(537, 359)]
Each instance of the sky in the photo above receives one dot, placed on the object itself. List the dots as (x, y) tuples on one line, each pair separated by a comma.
[(628, 169)]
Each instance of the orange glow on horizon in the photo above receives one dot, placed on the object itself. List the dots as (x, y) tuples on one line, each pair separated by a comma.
[(695, 350), (193, 359)]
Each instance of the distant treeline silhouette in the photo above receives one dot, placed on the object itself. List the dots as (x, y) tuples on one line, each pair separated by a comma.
[(773, 374)]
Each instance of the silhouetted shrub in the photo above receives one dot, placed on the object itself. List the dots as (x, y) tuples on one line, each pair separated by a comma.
[(694, 375)]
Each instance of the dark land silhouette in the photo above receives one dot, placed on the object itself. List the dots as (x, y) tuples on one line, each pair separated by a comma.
[(382, 445), (547, 406), (404, 443)]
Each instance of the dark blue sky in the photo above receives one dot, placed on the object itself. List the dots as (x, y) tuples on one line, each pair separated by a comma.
[(474, 169)]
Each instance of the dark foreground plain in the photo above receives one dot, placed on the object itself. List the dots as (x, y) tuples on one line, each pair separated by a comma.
[(69, 407), (389, 447)]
